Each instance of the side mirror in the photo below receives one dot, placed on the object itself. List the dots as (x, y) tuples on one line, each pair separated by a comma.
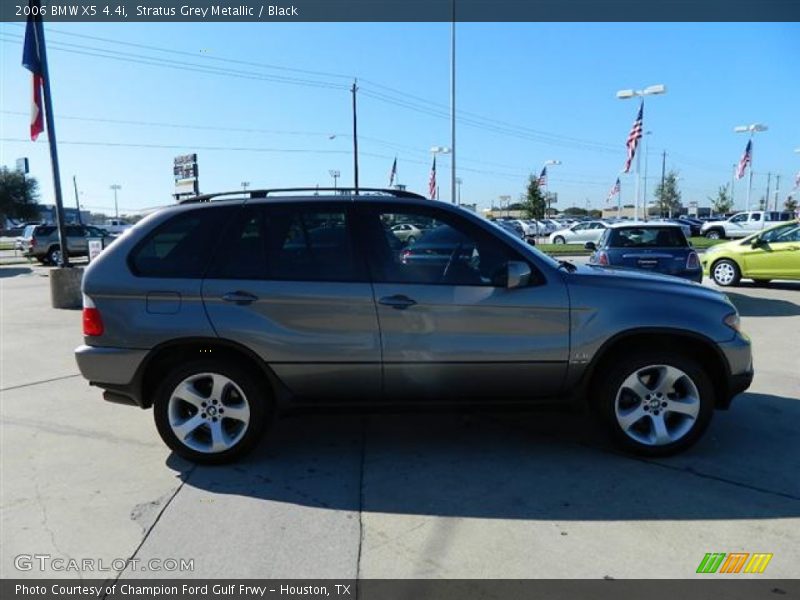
[(590, 246), (519, 274), (756, 241)]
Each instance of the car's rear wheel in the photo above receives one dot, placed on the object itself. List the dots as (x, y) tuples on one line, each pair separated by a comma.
[(54, 255), (559, 240), (725, 273), (715, 234), (211, 412), (657, 404)]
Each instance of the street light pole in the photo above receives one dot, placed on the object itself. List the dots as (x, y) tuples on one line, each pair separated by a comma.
[(459, 181), (116, 187), (650, 90), (548, 163), (335, 173), (752, 129)]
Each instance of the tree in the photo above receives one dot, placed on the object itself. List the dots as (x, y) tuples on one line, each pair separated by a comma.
[(533, 202), (18, 195), (668, 195), (722, 203), (575, 211), (790, 204)]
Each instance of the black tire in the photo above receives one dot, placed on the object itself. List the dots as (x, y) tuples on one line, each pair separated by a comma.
[(559, 240), (254, 394), (53, 255), (689, 428), (725, 273), (410, 240), (715, 234), (762, 282)]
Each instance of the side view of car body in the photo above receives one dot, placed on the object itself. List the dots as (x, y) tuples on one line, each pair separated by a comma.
[(771, 254), (225, 310), (42, 243), (579, 233), (743, 224), (659, 247)]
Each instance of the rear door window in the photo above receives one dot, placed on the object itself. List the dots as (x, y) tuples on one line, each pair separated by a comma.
[(290, 242), (182, 246)]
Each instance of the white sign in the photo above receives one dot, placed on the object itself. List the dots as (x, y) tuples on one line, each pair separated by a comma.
[(95, 248)]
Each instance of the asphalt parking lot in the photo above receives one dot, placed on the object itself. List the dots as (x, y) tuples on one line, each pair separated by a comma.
[(384, 496)]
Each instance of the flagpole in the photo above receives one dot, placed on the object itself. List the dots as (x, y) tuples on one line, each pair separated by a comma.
[(453, 106), (619, 199), (51, 138), (750, 174), (354, 89)]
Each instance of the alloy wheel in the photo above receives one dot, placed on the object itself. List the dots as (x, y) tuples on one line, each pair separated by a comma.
[(657, 405), (208, 413), (724, 273)]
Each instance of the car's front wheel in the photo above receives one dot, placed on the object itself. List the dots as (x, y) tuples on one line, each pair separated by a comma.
[(725, 273), (657, 404), (211, 412)]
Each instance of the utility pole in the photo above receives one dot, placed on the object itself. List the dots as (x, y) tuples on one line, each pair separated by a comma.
[(116, 187), (453, 106), (733, 184), (77, 201), (245, 185), (354, 89), (777, 188), (766, 198), (663, 176)]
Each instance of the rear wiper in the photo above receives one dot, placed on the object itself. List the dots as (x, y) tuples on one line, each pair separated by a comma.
[(567, 266)]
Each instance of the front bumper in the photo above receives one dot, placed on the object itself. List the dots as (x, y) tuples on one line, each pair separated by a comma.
[(738, 354)]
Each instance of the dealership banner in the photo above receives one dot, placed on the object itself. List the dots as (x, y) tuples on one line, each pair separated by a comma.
[(401, 589), (405, 10)]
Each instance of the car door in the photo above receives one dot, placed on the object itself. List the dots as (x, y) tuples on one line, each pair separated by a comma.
[(450, 328), (578, 232), (290, 287), (76, 240), (776, 256)]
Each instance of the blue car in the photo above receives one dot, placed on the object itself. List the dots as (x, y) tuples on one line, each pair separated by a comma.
[(659, 247)]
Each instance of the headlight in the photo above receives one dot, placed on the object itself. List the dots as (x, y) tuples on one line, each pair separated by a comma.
[(732, 321)]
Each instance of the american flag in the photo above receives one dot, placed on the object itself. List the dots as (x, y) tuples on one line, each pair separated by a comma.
[(744, 162), (432, 181), (32, 60), (542, 181), (613, 191), (633, 138), (393, 172)]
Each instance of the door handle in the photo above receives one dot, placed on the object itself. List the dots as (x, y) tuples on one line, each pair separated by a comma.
[(239, 297), (397, 301)]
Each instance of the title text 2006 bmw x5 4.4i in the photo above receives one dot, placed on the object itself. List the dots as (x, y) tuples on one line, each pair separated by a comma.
[(221, 311)]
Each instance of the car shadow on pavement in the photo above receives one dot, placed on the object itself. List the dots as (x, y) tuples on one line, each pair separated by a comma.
[(545, 466), (14, 271), (749, 306)]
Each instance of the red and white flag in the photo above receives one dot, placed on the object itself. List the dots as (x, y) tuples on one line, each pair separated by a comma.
[(542, 181), (745, 161), (32, 60), (633, 138), (432, 181)]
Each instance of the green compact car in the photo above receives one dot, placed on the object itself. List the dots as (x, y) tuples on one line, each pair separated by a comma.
[(770, 254)]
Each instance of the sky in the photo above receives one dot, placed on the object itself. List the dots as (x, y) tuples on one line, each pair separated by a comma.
[(270, 104)]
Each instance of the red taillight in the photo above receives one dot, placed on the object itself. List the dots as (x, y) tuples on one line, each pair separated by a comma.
[(92, 323), (602, 259), (693, 261)]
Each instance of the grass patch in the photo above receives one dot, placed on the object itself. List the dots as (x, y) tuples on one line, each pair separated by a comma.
[(6, 245), (701, 242)]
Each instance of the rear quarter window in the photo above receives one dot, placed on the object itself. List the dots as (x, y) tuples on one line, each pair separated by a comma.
[(647, 237), (182, 246)]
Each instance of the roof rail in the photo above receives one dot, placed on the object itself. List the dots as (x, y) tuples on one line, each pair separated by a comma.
[(310, 190)]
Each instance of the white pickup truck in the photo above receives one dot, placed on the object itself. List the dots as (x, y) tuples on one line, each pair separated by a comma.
[(116, 226), (743, 224)]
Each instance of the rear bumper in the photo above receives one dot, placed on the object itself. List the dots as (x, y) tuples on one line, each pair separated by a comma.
[(113, 369)]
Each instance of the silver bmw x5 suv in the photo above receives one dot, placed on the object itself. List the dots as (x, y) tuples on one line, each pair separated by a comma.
[(225, 310)]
